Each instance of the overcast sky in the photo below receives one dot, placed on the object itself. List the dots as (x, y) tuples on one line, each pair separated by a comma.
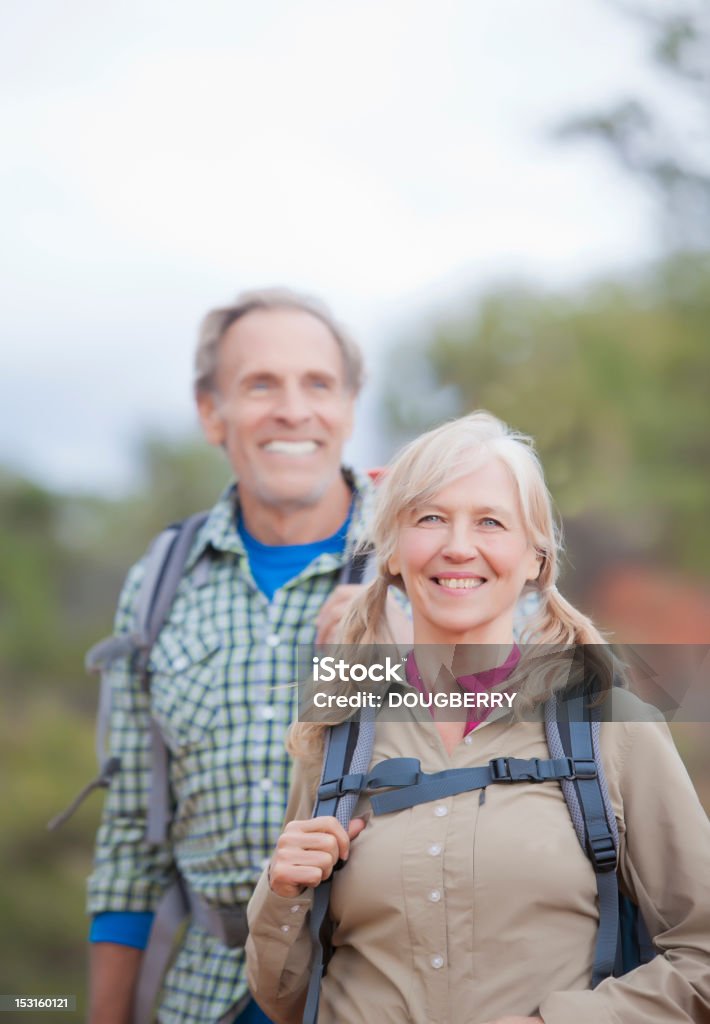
[(385, 154)]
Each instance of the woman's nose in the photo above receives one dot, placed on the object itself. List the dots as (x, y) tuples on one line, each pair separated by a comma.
[(460, 545)]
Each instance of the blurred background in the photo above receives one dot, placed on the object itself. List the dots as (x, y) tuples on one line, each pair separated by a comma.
[(507, 202)]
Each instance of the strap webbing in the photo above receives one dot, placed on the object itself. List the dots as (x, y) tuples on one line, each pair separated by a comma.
[(164, 570), (418, 787), (171, 913), (338, 746), (158, 816), (178, 903), (165, 567), (601, 845)]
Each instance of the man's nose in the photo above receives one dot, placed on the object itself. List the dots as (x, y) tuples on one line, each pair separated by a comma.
[(293, 406)]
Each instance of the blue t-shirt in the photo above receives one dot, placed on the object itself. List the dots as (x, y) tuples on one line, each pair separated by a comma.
[(272, 566)]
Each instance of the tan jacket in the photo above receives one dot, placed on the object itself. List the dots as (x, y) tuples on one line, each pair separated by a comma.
[(464, 910)]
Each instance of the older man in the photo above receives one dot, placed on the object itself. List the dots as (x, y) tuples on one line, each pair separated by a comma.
[(276, 382)]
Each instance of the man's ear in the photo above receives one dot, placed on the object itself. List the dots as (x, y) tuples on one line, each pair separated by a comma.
[(211, 418)]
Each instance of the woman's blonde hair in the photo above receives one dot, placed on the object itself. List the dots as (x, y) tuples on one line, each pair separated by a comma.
[(422, 469)]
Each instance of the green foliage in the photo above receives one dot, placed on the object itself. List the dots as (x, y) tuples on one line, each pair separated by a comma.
[(47, 754), (63, 557), (613, 384), (62, 560)]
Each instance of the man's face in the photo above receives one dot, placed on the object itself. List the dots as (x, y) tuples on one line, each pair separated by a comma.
[(282, 410)]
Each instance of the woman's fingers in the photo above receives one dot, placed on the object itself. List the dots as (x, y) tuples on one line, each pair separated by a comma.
[(322, 833), (356, 826), (289, 874), (307, 851)]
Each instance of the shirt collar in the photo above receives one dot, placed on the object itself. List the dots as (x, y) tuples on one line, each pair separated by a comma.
[(220, 529)]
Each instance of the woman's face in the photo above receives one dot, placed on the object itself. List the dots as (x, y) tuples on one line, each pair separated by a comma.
[(465, 558)]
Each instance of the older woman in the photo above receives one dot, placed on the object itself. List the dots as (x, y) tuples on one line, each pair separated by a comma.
[(463, 910)]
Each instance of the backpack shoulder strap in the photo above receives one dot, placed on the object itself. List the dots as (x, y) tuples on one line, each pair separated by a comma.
[(164, 570), (348, 750), (358, 567), (164, 564), (572, 729)]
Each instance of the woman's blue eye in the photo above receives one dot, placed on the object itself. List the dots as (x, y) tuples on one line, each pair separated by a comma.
[(491, 520), (432, 517)]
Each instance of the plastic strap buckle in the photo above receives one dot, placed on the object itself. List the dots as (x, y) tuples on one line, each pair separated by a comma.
[(584, 769), (602, 853), (500, 769), (336, 788), (511, 769)]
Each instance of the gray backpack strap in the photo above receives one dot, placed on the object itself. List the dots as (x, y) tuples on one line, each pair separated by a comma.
[(165, 567), (572, 729), (347, 745), (359, 568), (170, 914)]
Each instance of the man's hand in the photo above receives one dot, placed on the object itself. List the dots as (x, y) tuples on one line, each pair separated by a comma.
[(516, 1020), (333, 611), (335, 608), (307, 852)]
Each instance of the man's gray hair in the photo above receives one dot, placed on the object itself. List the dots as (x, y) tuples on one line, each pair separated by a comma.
[(218, 321)]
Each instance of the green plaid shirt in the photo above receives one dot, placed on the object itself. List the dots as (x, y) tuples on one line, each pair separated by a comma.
[(222, 691)]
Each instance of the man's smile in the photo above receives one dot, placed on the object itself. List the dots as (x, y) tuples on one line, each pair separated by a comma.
[(293, 448)]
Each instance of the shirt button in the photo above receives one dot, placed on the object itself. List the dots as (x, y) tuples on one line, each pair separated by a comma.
[(437, 962), (180, 664), (285, 927), (469, 739), (268, 711), (266, 785), (441, 811), (435, 895), (435, 849), (295, 910), (273, 639)]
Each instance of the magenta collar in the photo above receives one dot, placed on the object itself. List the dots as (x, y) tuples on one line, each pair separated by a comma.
[(478, 682)]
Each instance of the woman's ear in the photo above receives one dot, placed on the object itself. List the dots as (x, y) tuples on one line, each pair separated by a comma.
[(537, 561), (393, 566)]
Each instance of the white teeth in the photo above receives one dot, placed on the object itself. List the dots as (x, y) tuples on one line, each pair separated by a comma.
[(469, 583), (291, 447)]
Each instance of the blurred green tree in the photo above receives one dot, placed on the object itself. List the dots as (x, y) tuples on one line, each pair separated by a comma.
[(62, 560)]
